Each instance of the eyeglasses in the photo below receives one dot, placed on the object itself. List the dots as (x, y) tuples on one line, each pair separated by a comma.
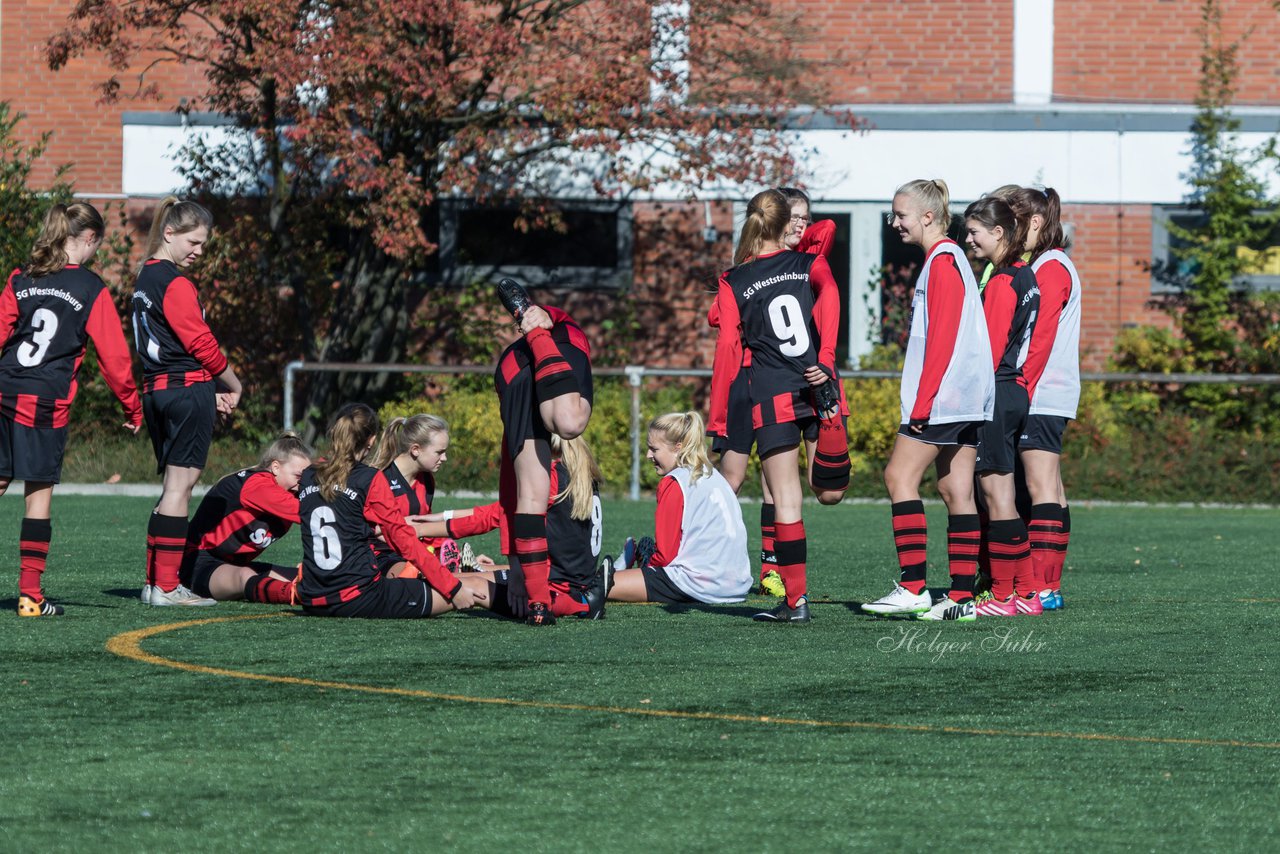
[(804, 219)]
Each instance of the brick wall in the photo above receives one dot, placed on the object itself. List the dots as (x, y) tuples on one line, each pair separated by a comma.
[(916, 51), (86, 134), (1148, 50), (1112, 245)]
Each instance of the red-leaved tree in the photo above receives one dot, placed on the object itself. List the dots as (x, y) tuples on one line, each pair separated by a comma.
[(356, 117)]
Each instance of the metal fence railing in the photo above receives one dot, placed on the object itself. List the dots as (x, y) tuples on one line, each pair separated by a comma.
[(636, 374)]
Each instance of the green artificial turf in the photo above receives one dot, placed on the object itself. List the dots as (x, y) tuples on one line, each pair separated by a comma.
[(1142, 716)]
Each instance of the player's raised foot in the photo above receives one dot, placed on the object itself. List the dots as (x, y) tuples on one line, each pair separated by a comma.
[(771, 584), (900, 601), (986, 605), (539, 615), (467, 559), (515, 298), (1029, 606), (784, 613), (28, 607), (146, 594), (179, 595), (450, 555), (949, 609)]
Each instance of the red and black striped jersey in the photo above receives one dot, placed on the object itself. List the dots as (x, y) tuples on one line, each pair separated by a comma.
[(337, 538), (784, 307), (413, 498), (241, 515), (45, 324), (518, 357), (1010, 302), (169, 330)]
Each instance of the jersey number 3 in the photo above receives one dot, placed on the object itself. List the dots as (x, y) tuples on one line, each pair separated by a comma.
[(44, 325), (326, 548), (789, 326)]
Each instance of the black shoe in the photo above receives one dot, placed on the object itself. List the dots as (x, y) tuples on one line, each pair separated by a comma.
[(784, 614), (539, 615), (515, 298), (645, 547), (594, 596)]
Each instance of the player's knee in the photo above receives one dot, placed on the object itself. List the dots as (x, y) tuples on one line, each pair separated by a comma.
[(570, 426), (4, 485)]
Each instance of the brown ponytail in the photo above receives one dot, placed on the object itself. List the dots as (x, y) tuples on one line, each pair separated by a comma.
[(1032, 201), (349, 433), (62, 222)]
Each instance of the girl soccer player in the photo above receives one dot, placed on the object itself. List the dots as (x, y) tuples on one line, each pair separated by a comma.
[(49, 307), (410, 453), (544, 387), (701, 553), (1010, 301), (1052, 371), (237, 519), (341, 502), (181, 364), (948, 390), (767, 303), (574, 534), (733, 439)]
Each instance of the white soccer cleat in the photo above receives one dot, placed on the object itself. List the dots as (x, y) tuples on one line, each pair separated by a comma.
[(949, 609), (900, 601), (179, 595), (146, 594)]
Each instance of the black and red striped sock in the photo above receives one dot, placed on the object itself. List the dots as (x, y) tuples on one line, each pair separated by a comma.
[(793, 552), (984, 552), (1010, 553), (831, 457), (964, 539), (166, 541), (33, 554), (529, 535), (268, 590), (1045, 533), (552, 374), (1060, 556), (768, 516), (911, 537)]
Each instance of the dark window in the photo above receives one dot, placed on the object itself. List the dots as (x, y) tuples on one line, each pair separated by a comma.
[(590, 248)]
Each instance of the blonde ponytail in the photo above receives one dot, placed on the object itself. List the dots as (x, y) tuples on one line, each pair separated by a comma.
[(283, 448), (402, 433), (181, 216), (584, 474), (768, 215), (931, 195)]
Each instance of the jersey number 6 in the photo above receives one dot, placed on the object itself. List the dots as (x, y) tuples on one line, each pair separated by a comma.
[(326, 548)]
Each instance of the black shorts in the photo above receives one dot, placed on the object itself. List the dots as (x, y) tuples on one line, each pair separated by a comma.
[(180, 423), (517, 396), (31, 453), (1043, 433), (386, 599), (962, 433), (196, 570), (998, 438), (786, 434), (741, 435), (658, 587)]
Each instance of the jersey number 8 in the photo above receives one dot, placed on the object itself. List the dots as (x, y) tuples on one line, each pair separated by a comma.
[(789, 325)]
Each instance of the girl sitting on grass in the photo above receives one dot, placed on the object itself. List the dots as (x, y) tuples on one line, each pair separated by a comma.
[(701, 541)]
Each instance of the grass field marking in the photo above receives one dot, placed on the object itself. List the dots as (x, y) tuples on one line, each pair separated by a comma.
[(129, 645)]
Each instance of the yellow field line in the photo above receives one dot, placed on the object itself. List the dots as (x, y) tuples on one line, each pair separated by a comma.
[(129, 645)]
